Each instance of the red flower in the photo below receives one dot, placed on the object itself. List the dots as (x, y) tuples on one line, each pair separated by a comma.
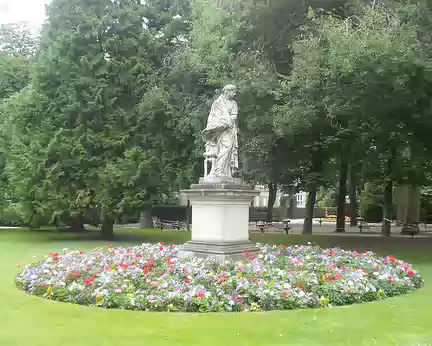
[(146, 271), (162, 243), (56, 259), (411, 273), (19, 266), (82, 253), (163, 273), (338, 276), (187, 280), (284, 247), (287, 293), (300, 287), (138, 255), (201, 295), (107, 268), (124, 265), (161, 248), (331, 253), (89, 281), (185, 270), (247, 254), (172, 246), (109, 246)]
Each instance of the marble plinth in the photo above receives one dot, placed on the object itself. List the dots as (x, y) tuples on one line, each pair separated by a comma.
[(220, 219)]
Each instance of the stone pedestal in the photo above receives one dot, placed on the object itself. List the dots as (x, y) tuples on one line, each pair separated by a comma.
[(220, 220)]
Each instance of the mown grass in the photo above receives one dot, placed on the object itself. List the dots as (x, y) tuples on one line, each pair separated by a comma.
[(31, 321)]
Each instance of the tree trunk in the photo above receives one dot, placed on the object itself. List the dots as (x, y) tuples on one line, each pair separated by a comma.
[(352, 182), (310, 207), (388, 198), (388, 208), (408, 203), (107, 228), (146, 220), (343, 174), (77, 224), (271, 200)]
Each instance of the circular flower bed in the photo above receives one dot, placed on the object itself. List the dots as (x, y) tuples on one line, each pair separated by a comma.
[(151, 277)]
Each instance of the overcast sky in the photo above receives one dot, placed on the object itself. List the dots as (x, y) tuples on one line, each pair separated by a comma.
[(31, 11)]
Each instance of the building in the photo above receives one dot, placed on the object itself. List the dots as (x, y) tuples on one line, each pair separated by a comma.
[(261, 201)]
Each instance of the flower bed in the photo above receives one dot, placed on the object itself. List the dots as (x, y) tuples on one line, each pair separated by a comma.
[(151, 277)]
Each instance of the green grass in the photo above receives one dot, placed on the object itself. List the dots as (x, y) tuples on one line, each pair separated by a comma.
[(32, 321)]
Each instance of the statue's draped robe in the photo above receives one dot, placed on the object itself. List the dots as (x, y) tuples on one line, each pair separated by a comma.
[(220, 136)]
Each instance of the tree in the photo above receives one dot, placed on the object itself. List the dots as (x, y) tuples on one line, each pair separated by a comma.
[(17, 50), (365, 73), (104, 126)]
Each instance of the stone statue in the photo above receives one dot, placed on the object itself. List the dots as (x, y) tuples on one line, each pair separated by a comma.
[(220, 136)]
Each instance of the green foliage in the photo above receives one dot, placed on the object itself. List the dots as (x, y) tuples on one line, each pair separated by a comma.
[(371, 202), (98, 130)]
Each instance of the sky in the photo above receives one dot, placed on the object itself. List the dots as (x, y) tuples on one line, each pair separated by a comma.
[(30, 11)]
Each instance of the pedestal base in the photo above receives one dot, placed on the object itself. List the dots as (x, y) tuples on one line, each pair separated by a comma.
[(222, 252), (220, 219)]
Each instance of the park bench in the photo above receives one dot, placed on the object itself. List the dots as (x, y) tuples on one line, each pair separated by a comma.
[(169, 224), (277, 227), (284, 226), (363, 225)]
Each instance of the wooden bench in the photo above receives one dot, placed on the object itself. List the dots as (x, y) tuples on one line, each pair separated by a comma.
[(363, 225)]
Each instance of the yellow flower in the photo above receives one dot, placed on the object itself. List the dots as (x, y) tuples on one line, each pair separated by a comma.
[(325, 301), (99, 299), (49, 292), (239, 275), (254, 307)]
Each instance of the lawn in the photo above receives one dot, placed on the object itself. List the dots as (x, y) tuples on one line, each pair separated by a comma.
[(31, 321)]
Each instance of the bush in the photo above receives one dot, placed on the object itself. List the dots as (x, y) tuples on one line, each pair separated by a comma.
[(371, 202), (10, 216)]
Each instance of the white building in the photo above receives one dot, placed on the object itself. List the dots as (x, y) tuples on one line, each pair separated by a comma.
[(261, 201)]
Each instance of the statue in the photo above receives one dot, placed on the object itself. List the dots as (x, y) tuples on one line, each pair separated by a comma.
[(220, 136)]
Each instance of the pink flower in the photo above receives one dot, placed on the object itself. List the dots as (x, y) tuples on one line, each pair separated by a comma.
[(170, 270), (118, 290), (411, 273)]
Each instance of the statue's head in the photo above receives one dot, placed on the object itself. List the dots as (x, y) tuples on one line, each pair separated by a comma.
[(229, 91)]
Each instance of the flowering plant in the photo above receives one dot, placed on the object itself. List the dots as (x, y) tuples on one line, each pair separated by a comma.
[(152, 277)]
